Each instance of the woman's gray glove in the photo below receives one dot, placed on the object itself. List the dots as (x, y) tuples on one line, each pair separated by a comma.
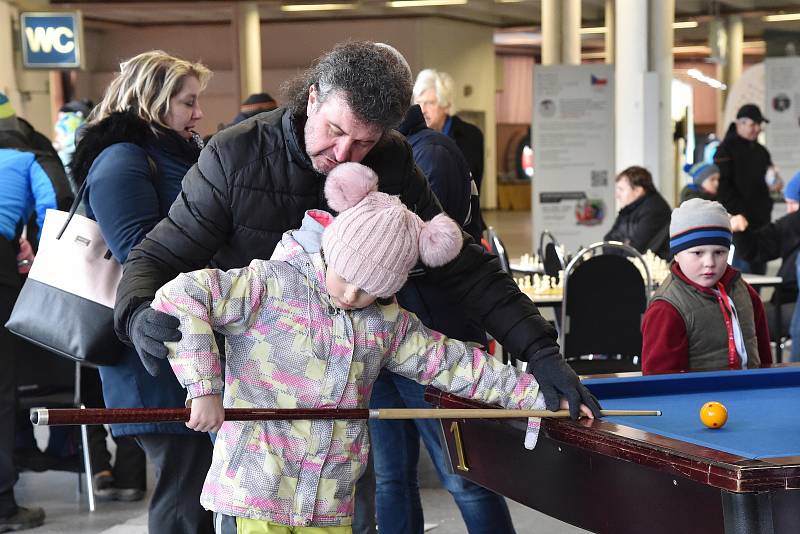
[(557, 379), (148, 331)]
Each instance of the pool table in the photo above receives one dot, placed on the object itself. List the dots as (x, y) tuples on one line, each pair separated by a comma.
[(650, 475)]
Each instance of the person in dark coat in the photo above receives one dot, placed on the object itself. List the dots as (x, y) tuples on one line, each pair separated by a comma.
[(33, 181), (256, 180), (133, 154), (253, 105), (433, 92), (643, 219), (743, 163), (397, 489), (778, 239), (705, 181)]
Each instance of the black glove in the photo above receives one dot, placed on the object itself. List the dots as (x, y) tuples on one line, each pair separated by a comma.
[(148, 330), (557, 379)]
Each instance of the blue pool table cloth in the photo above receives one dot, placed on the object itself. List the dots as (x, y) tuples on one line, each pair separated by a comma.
[(763, 408)]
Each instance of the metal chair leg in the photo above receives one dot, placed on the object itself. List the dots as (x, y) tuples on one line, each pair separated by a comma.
[(87, 465)]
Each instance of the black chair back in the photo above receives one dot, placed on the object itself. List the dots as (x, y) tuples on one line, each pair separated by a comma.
[(605, 298)]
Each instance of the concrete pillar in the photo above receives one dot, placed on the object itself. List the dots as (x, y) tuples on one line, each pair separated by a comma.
[(629, 72), (610, 21), (662, 17), (571, 32), (8, 75), (733, 66), (551, 32), (249, 40)]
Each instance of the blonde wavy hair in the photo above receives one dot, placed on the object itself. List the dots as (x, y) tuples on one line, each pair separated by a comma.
[(145, 85)]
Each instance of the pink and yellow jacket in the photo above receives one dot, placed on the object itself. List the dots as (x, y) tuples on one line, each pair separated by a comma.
[(287, 346)]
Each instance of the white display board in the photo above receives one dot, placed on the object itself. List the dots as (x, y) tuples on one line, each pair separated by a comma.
[(783, 111), (573, 145)]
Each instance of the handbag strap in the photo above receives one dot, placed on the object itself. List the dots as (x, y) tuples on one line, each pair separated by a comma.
[(73, 208), (79, 198)]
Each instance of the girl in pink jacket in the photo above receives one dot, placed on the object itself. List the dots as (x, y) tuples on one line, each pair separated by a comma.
[(312, 328)]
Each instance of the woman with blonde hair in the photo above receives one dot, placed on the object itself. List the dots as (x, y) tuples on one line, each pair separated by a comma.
[(139, 143)]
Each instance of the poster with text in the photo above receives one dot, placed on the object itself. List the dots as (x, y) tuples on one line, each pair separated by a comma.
[(573, 146), (782, 105)]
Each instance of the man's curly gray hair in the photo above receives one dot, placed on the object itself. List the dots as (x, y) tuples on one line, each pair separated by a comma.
[(370, 77)]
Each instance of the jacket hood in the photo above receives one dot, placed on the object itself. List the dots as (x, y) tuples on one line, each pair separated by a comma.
[(302, 248), (413, 122)]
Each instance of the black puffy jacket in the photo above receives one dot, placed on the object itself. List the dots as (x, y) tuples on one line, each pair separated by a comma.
[(254, 181)]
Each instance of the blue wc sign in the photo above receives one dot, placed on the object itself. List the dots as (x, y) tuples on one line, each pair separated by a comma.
[(51, 40)]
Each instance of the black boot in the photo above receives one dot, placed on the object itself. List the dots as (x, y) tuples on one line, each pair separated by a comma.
[(22, 519)]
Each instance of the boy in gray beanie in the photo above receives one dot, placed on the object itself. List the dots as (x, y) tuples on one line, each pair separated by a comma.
[(704, 315)]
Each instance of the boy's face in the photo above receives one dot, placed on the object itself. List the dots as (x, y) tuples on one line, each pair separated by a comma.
[(711, 184), (704, 264), (345, 295)]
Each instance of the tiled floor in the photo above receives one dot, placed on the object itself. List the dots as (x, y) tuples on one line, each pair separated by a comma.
[(67, 512)]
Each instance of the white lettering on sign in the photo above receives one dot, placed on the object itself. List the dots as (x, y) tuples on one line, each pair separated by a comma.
[(47, 39)]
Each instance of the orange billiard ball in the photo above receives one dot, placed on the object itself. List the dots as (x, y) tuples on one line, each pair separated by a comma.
[(714, 414)]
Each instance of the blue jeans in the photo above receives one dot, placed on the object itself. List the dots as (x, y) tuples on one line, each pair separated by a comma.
[(395, 449), (794, 327)]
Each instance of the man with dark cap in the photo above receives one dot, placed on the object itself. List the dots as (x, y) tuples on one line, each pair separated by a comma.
[(743, 164), (33, 181), (253, 105)]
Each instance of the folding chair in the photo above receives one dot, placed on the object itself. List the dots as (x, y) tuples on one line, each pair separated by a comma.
[(498, 249), (604, 300)]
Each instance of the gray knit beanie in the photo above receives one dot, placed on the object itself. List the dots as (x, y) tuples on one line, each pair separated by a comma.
[(699, 222)]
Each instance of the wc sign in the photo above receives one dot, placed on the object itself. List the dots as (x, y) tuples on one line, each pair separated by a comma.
[(51, 40)]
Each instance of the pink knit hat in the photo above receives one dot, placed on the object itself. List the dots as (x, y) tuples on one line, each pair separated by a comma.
[(375, 240)]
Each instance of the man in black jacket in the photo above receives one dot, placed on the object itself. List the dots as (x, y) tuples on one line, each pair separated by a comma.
[(743, 190), (255, 180)]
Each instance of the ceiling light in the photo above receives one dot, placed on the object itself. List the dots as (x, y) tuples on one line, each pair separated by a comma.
[(782, 17), (316, 7), (698, 49), (684, 24), (708, 80), (422, 3), (596, 29)]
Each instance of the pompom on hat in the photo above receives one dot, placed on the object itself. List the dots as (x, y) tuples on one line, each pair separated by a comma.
[(375, 240), (699, 222)]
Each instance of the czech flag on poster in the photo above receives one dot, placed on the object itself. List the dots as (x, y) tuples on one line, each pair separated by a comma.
[(599, 81)]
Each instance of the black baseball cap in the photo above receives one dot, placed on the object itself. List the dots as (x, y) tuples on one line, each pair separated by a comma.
[(752, 112)]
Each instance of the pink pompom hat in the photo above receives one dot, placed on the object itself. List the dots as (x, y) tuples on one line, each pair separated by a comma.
[(375, 240)]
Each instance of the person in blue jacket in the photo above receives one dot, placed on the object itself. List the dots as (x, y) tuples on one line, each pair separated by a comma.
[(138, 144), (33, 181), (395, 444)]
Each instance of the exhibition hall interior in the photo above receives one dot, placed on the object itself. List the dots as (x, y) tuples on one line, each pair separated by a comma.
[(399, 266)]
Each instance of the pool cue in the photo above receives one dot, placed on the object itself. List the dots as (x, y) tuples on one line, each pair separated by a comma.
[(99, 416)]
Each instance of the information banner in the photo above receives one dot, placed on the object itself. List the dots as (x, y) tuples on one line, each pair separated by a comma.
[(783, 111), (573, 145)]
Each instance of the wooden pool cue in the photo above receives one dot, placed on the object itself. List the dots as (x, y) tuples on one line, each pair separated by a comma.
[(99, 416)]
